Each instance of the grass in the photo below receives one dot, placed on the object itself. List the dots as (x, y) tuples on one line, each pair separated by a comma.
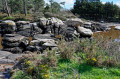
[(16, 17), (83, 71), (91, 59)]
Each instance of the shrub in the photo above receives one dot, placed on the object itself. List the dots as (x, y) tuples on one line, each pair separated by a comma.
[(66, 49), (50, 58)]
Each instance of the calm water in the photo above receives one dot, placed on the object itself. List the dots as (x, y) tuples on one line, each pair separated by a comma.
[(114, 34)]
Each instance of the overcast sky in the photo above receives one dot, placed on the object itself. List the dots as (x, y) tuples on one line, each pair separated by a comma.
[(70, 3)]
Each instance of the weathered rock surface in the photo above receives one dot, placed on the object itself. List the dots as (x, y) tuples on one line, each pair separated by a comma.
[(42, 36), (84, 32), (74, 22), (117, 27), (3, 54), (15, 43), (13, 37), (7, 27)]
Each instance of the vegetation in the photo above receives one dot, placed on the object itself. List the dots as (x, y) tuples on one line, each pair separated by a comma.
[(90, 59), (96, 10)]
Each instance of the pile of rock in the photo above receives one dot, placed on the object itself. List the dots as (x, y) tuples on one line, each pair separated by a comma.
[(41, 42), (14, 43), (26, 28)]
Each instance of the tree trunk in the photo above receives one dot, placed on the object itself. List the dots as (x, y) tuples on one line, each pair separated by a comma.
[(25, 7), (7, 8)]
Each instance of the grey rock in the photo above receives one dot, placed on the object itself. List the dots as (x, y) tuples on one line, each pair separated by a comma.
[(23, 22), (7, 44), (49, 44), (84, 32), (13, 37), (117, 27), (6, 61), (3, 54), (13, 56), (14, 50), (42, 36), (74, 22)]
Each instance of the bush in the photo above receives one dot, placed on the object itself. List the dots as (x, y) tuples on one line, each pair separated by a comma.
[(66, 49)]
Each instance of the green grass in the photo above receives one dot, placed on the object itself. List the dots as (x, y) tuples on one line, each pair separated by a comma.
[(75, 70), (21, 75)]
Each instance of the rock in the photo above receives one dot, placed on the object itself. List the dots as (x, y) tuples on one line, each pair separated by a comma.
[(84, 32), (117, 27), (42, 36), (14, 56), (69, 35), (49, 44), (74, 22), (41, 41), (14, 50), (56, 20), (13, 37), (4, 54), (98, 27), (21, 25), (9, 22), (87, 25), (7, 27), (23, 22), (35, 48), (6, 61), (7, 44), (43, 21), (26, 32)]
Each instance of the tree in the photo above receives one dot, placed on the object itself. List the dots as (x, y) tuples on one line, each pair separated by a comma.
[(24, 1), (7, 8), (95, 10), (63, 3)]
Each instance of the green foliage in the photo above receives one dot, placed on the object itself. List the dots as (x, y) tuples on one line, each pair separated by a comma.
[(20, 75), (95, 10), (9, 18)]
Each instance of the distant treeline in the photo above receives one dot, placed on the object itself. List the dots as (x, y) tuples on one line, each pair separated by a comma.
[(29, 6), (96, 10)]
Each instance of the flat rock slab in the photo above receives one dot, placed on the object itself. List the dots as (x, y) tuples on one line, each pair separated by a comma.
[(49, 44), (13, 37), (6, 61), (14, 56), (42, 36), (3, 54), (117, 27)]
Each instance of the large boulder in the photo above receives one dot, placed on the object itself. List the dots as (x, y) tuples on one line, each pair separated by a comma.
[(43, 21), (56, 20), (117, 28), (98, 27), (21, 25), (7, 27), (15, 43), (84, 32), (74, 22)]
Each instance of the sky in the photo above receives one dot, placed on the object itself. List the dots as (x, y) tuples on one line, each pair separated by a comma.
[(69, 3)]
